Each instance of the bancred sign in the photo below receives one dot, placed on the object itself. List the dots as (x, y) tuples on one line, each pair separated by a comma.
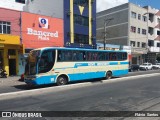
[(41, 31)]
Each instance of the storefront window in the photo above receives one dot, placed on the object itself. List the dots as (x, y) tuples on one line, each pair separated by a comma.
[(1, 59), (11, 52)]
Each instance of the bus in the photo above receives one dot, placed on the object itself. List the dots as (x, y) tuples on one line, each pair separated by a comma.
[(63, 65)]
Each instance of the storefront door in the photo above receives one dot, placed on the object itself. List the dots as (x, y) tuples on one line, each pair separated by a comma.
[(12, 66), (1, 58)]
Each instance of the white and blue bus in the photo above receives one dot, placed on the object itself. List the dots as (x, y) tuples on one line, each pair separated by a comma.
[(63, 65)]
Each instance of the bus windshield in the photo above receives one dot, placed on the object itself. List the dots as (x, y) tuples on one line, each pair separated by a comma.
[(31, 66)]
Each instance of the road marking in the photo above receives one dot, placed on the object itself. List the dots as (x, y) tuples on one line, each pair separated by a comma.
[(70, 86)]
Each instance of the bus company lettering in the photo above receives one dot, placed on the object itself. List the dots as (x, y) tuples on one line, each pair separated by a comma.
[(91, 64), (42, 35), (102, 64)]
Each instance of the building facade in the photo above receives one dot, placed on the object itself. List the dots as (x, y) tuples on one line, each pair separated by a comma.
[(125, 25), (13, 4), (153, 34), (39, 31), (10, 44), (60, 23), (79, 19)]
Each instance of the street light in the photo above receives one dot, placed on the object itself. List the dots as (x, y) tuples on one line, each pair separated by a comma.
[(106, 21)]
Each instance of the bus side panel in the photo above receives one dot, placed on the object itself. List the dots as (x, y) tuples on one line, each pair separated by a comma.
[(42, 80), (117, 73), (85, 76)]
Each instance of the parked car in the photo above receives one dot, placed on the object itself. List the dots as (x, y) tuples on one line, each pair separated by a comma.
[(146, 66), (133, 67), (156, 66)]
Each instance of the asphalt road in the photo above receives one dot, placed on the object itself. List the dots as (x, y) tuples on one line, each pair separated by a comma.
[(11, 84), (125, 94)]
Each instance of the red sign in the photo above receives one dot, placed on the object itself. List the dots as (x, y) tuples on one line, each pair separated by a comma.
[(41, 31)]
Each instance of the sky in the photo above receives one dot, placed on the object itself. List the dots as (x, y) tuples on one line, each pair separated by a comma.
[(106, 4), (152, 3)]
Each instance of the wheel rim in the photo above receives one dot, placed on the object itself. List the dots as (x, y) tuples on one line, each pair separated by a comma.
[(61, 81), (109, 75)]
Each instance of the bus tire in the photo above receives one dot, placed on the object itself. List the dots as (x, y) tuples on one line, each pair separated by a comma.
[(109, 75), (62, 80)]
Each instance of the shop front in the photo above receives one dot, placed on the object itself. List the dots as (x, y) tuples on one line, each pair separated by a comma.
[(138, 55), (9, 50)]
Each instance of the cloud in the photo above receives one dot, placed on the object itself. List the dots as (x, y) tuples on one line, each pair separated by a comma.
[(106, 4)]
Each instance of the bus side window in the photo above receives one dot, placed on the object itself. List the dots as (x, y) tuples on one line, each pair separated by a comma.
[(80, 56), (110, 56), (95, 56), (68, 55), (61, 56), (84, 56), (119, 56), (107, 56), (101, 56), (124, 56), (89, 56)]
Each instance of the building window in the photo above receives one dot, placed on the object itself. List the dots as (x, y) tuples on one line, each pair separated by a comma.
[(158, 20), (139, 30), (133, 29), (133, 14), (139, 16), (143, 45), (81, 2), (11, 52), (81, 20), (158, 32), (150, 43), (158, 44), (133, 43), (21, 1), (79, 38), (138, 44), (144, 18), (5, 27), (144, 31)]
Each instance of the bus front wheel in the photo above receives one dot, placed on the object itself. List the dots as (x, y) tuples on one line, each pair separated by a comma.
[(108, 75), (62, 80)]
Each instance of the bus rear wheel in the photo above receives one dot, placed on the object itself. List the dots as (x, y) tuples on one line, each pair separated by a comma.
[(108, 75), (62, 80)]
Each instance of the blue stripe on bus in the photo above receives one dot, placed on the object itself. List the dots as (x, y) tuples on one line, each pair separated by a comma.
[(124, 63), (113, 63), (117, 73), (84, 76), (91, 75), (41, 80)]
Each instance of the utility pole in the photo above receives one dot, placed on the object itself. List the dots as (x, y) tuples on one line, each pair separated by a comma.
[(106, 21), (104, 42)]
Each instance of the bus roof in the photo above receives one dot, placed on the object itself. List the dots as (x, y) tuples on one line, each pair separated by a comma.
[(64, 48)]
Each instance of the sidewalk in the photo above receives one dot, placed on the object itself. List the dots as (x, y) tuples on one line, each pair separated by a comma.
[(9, 81), (10, 78)]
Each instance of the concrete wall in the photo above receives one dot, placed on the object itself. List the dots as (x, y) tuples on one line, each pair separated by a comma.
[(116, 25), (13, 17), (53, 8), (11, 4)]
